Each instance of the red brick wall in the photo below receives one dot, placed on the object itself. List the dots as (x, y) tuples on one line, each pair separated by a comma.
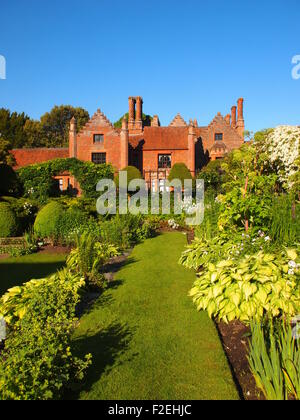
[(111, 145), (25, 157)]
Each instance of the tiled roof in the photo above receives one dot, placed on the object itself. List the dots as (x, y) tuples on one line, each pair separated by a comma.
[(165, 138)]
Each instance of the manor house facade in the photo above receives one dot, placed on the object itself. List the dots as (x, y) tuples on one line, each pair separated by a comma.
[(151, 148)]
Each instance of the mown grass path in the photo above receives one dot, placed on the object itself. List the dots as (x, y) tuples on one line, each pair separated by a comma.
[(146, 337)]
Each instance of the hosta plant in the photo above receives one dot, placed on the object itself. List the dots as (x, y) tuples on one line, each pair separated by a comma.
[(250, 287)]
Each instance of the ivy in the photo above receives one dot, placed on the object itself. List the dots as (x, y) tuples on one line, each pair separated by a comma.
[(39, 183)]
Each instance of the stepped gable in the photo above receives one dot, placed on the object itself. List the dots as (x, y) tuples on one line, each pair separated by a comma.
[(178, 121), (98, 120), (218, 119)]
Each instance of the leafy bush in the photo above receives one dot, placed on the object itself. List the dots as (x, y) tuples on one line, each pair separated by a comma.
[(89, 257), (248, 288), (180, 171), (8, 221), (274, 360), (48, 219), (212, 176), (25, 210), (125, 231), (37, 362), (249, 207)]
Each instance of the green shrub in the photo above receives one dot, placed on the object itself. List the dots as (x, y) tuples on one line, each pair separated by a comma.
[(132, 174), (274, 359), (251, 287), (180, 171), (48, 219), (37, 362), (25, 210), (70, 225), (8, 221), (212, 176)]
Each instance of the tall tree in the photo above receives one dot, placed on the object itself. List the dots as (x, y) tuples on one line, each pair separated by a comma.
[(12, 127), (6, 157), (55, 124)]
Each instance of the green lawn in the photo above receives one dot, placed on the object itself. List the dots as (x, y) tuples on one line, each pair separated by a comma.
[(147, 339), (16, 271)]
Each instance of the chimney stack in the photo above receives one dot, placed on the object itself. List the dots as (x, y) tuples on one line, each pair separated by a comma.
[(240, 122), (228, 119), (233, 117), (135, 115)]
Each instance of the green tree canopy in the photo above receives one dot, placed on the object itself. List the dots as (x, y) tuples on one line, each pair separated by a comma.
[(12, 127), (55, 124)]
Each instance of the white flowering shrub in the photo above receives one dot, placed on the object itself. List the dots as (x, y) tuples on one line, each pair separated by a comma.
[(282, 146)]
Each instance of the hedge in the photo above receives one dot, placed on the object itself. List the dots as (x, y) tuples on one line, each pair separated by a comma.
[(38, 179), (8, 221)]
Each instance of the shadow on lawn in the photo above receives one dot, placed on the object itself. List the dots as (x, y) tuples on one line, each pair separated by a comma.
[(106, 348), (15, 274)]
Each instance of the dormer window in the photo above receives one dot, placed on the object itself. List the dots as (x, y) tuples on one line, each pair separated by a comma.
[(98, 138), (219, 137)]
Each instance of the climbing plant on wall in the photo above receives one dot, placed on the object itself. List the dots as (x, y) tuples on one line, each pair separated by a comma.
[(38, 179)]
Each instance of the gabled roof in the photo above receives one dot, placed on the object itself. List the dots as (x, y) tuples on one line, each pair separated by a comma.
[(98, 120), (178, 121)]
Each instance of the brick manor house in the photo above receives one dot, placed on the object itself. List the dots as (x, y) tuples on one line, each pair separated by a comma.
[(152, 149)]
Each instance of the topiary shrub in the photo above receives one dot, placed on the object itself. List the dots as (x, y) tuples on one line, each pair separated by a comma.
[(132, 173), (180, 171), (8, 221), (48, 219)]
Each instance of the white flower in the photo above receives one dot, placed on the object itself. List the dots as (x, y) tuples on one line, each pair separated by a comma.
[(293, 264), (291, 272), (267, 238)]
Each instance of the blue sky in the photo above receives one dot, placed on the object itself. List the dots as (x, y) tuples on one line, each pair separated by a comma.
[(194, 57)]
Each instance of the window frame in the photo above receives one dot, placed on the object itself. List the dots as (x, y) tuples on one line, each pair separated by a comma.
[(220, 135), (98, 141), (102, 154), (169, 165)]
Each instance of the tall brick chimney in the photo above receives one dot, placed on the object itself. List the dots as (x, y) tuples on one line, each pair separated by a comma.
[(72, 139), (228, 119), (139, 113), (131, 119), (233, 117), (135, 123), (240, 122), (124, 137), (191, 148)]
